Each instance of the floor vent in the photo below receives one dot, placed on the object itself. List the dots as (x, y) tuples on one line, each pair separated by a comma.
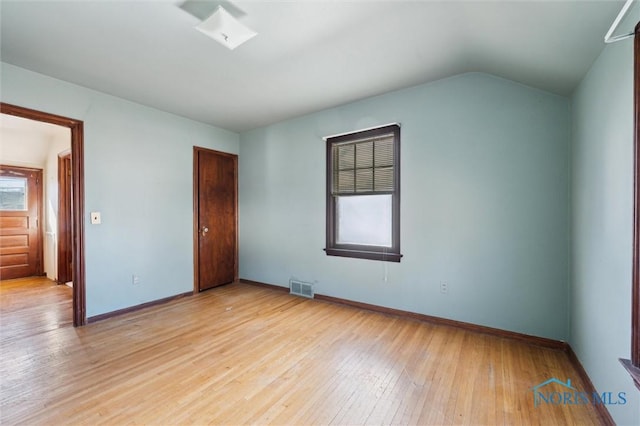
[(300, 288)]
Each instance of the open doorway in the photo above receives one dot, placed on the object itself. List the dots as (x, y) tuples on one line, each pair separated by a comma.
[(74, 238)]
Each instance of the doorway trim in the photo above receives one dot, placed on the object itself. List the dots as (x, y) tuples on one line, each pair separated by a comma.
[(77, 167), (65, 227), (196, 209)]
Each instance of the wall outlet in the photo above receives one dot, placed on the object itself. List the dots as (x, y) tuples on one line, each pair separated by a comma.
[(444, 287), (96, 218), (135, 279)]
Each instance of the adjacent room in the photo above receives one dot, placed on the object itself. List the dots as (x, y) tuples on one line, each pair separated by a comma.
[(319, 212)]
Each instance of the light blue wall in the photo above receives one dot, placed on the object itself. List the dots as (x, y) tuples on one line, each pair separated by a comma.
[(484, 204), (138, 174), (602, 227)]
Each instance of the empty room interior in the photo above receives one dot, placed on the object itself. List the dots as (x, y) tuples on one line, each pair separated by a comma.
[(319, 212)]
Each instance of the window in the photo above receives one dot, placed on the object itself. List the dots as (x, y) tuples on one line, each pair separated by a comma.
[(633, 365), (363, 194), (13, 193)]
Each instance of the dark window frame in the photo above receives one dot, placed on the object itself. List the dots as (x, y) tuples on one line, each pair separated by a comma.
[(358, 251), (633, 365)]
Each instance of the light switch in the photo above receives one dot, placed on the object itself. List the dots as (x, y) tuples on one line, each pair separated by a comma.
[(95, 218)]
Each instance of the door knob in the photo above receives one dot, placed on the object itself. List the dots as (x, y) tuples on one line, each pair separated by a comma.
[(204, 230)]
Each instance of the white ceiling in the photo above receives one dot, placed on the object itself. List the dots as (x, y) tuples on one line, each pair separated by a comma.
[(28, 142), (27, 126), (308, 55)]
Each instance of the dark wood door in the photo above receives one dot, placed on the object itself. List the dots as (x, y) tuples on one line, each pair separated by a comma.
[(65, 228), (216, 227), (20, 222)]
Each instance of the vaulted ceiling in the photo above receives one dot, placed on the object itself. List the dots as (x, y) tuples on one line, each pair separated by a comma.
[(308, 55)]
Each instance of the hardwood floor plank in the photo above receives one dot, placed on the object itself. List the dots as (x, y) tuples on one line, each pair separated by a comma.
[(242, 354)]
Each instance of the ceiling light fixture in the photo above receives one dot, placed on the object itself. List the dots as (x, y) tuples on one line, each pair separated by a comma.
[(225, 29)]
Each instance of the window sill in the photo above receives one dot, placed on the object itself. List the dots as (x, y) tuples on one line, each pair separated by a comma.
[(632, 370), (362, 254)]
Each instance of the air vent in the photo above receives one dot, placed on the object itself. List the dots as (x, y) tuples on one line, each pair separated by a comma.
[(300, 288)]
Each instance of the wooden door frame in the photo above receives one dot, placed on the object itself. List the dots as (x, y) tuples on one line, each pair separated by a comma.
[(65, 224), (77, 166), (196, 207)]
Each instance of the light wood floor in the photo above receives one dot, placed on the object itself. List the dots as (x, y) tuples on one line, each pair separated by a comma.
[(31, 306), (243, 354)]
